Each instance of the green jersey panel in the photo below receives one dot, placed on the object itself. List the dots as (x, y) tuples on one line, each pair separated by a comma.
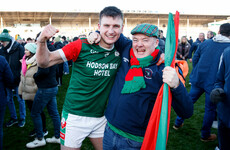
[(93, 74)]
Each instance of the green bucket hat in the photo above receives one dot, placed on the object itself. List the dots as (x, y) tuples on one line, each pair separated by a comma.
[(147, 29), (4, 36)]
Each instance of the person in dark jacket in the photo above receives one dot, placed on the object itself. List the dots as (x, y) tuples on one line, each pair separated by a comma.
[(183, 49), (6, 80), (205, 66), (210, 35), (195, 45), (45, 78), (13, 52), (65, 64), (190, 40), (129, 107), (161, 45), (64, 41), (223, 100), (161, 35), (58, 45)]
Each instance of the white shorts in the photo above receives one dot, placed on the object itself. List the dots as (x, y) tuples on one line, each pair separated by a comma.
[(74, 129)]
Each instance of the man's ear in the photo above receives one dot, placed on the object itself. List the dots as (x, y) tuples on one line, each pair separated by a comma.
[(99, 26), (157, 42)]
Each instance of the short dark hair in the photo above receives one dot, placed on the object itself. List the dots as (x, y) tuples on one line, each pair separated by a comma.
[(111, 11), (29, 39), (211, 32), (63, 37), (225, 29), (75, 38)]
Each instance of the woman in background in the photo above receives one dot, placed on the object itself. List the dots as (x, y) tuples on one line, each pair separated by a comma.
[(27, 87), (183, 49)]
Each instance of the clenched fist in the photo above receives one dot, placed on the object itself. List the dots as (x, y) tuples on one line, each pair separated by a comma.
[(48, 32), (170, 77), (94, 37)]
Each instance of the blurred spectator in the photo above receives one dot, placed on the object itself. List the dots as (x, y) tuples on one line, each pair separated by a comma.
[(29, 40), (210, 35), (64, 41), (190, 40), (195, 45), (6, 79), (58, 45), (52, 41), (161, 35), (13, 52), (75, 38), (65, 64), (82, 36), (20, 41), (183, 49), (161, 45), (27, 87)]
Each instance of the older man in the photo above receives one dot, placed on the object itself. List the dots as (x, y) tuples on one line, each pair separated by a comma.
[(135, 89), (195, 45)]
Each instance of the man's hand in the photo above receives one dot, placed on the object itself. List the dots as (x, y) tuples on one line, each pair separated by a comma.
[(170, 77), (217, 95), (94, 37), (190, 59), (48, 32)]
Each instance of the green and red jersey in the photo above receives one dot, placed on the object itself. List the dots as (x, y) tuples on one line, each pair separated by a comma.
[(93, 73)]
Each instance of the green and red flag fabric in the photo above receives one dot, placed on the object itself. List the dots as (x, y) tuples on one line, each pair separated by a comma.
[(156, 134)]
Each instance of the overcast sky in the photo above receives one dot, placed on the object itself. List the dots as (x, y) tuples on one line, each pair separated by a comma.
[(161, 6)]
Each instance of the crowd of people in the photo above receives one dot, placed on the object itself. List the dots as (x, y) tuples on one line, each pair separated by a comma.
[(113, 85)]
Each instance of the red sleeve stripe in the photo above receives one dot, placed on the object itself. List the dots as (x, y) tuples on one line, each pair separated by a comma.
[(72, 50)]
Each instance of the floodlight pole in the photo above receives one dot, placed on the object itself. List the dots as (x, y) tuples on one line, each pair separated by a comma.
[(158, 22), (89, 23), (50, 21), (126, 23), (187, 27)]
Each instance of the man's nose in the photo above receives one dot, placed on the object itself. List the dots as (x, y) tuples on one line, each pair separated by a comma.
[(139, 43), (111, 30)]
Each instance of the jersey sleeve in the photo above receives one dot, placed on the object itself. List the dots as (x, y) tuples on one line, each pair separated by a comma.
[(71, 51)]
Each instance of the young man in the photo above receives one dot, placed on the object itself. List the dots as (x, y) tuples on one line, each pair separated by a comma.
[(133, 95), (94, 71)]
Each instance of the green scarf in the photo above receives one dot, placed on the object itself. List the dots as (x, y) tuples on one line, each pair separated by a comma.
[(134, 79)]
